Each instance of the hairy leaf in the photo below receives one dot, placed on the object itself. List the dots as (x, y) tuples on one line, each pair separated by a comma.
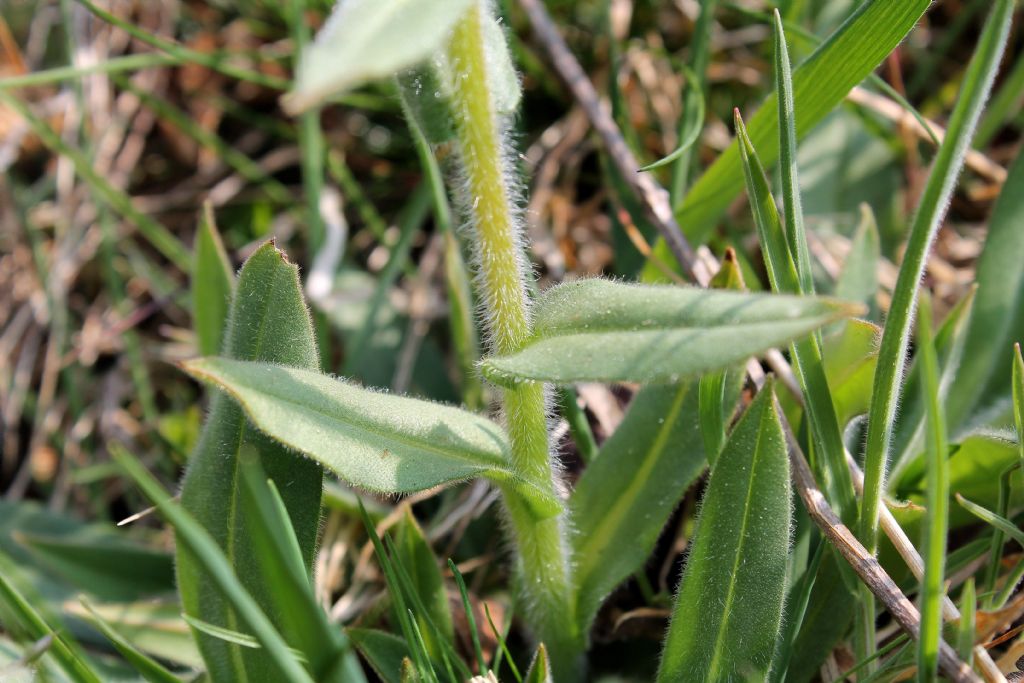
[(365, 40), (268, 322), (597, 330), (624, 498), (379, 442), (729, 607)]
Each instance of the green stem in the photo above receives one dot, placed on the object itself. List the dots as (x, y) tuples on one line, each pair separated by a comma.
[(543, 554)]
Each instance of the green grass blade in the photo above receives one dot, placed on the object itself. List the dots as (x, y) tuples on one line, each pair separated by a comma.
[(377, 441), (107, 66), (831, 467), (996, 521), (998, 316), (932, 207), (282, 565), (820, 83), (794, 215), (218, 570), (691, 125), (414, 554), (65, 652), (625, 496), (1003, 106), (597, 330), (936, 524), (728, 611), (470, 619), (150, 669), (1018, 398), (268, 321), (966, 628), (213, 283)]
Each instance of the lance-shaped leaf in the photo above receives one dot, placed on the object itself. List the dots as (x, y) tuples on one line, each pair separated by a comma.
[(625, 497), (376, 441), (729, 608), (365, 40), (268, 321), (597, 330)]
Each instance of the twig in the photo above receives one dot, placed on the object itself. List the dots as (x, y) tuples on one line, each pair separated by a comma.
[(653, 196)]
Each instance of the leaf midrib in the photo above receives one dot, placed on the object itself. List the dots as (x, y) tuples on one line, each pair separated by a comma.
[(731, 594)]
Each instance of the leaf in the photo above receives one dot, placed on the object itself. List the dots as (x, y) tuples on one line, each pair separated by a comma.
[(364, 40), (17, 609), (212, 285), (998, 316), (107, 570), (932, 207), (849, 358), (379, 442), (597, 330), (303, 622), (415, 555), (936, 526), (214, 564), (268, 321), (155, 627), (540, 667), (997, 521), (728, 611), (1018, 399), (625, 496), (383, 651), (820, 83), (150, 669), (859, 278)]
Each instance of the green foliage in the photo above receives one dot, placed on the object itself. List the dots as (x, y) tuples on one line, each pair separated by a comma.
[(380, 442), (150, 669), (369, 39), (596, 330), (212, 285), (728, 611), (624, 498), (268, 321)]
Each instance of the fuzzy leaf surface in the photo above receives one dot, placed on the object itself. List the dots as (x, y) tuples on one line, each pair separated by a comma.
[(268, 321), (364, 40), (376, 441), (603, 331), (729, 607), (625, 496)]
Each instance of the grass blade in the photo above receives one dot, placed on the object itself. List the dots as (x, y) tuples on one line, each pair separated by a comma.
[(966, 628), (596, 330), (213, 283), (934, 200), (729, 608), (936, 524), (150, 669), (819, 84), (217, 568)]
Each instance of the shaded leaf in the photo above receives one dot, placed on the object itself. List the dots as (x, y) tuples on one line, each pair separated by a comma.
[(625, 496), (150, 669), (384, 652), (597, 330), (415, 555), (859, 278), (729, 607)]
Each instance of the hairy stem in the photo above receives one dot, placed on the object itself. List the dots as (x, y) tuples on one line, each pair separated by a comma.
[(502, 274)]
